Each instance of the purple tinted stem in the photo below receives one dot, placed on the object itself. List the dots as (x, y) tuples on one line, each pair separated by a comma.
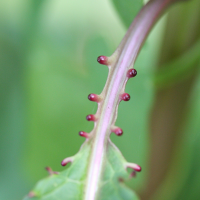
[(122, 60)]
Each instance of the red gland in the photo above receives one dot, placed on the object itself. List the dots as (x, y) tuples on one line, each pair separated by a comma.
[(102, 60), (66, 161), (118, 131), (131, 73), (125, 97), (83, 134), (90, 117), (50, 171), (94, 97), (137, 168)]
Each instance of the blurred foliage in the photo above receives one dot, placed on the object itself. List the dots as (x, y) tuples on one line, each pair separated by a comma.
[(48, 52), (127, 10), (178, 69)]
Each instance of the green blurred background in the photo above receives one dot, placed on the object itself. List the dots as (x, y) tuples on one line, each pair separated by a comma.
[(48, 66)]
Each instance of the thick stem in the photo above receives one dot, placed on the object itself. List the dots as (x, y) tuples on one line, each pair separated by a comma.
[(109, 99)]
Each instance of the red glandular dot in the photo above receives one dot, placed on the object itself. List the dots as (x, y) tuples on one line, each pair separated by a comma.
[(131, 73), (65, 161), (93, 97), (137, 168), (134, 166), (102, 60), (118, 131), (125, 97), (90, 117), (83, 134)]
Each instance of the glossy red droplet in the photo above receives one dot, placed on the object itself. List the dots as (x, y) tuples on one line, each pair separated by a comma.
[(90, 117), (63, 163), (118, 131), (93, 97), (66, 161), (125, 97), (83, 134), (137, 168), (134, 166), (131, 73), (102, 60)]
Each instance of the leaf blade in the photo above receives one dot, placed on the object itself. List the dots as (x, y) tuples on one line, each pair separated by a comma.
[(69, 184)]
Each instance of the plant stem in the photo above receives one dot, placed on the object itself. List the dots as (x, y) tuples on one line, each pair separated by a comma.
[(119, 63)]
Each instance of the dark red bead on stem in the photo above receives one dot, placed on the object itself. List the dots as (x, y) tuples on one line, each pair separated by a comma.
[(90, 117), (66, 161), (134, 166), (83, 134), (131, 73), (118, 131), (102, 60), (94, 97), (125, 97), (137, 168)]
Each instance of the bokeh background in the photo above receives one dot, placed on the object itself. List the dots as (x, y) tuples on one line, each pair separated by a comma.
[(48, 51)]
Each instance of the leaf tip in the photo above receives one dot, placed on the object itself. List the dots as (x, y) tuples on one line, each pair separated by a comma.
[(94, 97)]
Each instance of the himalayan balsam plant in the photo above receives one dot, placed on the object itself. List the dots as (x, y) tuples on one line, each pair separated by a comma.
[(99, 169)]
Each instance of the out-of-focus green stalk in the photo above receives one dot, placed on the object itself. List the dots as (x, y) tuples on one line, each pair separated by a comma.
[(169, 112)]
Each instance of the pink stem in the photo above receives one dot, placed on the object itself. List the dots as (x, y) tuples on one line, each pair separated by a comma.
[(119, 64)]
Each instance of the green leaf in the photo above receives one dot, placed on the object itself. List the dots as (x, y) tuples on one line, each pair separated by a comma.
[(128, 9), (69, 184)]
